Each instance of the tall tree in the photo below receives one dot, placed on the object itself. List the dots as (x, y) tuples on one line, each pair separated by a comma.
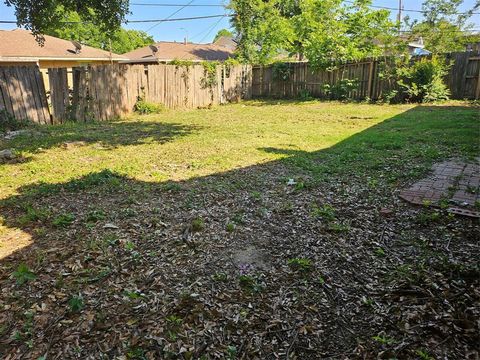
[(119, 41), (223, 32), (40, 15), (319, 30), (443, 26)]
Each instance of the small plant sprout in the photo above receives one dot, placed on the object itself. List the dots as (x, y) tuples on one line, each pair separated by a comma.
[(198, 225), (383, 339), (76, 303), (231, 352), (300, 264), (230, 227), (96, 215), (326, 211), (23, 274), (63, 220), (379, 252)]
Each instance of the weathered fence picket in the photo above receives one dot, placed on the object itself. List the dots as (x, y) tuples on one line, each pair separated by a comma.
[(110, 91), (463, 78), (22, 93)]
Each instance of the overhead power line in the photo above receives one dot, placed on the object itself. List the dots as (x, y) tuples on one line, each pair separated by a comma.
[(177, 5), (138, 21), (169, 16), (412, 10)]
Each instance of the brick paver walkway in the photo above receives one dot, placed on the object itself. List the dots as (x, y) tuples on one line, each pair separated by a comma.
[(454, 182)]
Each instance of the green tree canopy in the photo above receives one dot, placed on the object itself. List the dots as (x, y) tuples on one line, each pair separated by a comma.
[(443, 26), (38, 16), (223, 32), (119, 41), (319, 30)]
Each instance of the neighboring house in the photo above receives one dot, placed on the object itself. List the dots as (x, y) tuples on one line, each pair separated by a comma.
[(164, 51), (227, 42), (19, 47), (417, 48)]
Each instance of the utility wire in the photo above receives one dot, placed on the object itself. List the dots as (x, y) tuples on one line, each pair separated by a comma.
[(412, 10), (138, 21), (170, 16), (177, 5)]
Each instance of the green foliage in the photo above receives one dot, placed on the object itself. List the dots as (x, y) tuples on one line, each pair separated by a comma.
[(23, 274), (198, 224), (383, 339), (76, 303), (300, 264), (341, 89), (442, 25), (209, 79), (317, 30), (230, 227), (106, 15), (143, 107), (305, 95), (96, 215), (222, 32), (326, 211), (181, 63), (9, 123), (423, 80), (281, 71), (33, 214), (250, 283), (231, 352), (63, 220), (118, 40)]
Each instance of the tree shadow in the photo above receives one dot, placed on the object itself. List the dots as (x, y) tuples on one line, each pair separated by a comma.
[(147, 257), (107, 134)]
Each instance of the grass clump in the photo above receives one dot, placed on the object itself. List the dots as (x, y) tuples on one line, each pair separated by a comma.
[(300, 264), (63, 220), (198, 225), (143, 107), (23, 274)]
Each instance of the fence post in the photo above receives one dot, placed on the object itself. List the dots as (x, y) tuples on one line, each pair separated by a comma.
[(370, 79)]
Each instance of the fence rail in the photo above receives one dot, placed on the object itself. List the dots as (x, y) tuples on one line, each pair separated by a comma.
[(463, 79), (109, 91)]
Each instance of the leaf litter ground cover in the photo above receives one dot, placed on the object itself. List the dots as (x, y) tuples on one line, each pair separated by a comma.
[(246, 263)]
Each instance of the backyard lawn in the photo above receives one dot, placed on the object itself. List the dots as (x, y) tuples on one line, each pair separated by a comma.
[(255, 230)]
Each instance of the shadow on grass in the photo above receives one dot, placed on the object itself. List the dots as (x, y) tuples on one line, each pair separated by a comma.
[(108, 134), (62, 216)]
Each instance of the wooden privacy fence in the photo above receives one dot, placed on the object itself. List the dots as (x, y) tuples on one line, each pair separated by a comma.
[(110, 91), (22, 93), (463, 79)]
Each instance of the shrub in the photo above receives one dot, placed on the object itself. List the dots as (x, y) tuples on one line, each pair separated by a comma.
[(143, 107), (341, 89), (422, 80), (9, 123), (281, 71), (305, 95)]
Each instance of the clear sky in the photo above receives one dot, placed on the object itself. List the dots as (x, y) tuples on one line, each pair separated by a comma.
[(203, 30)]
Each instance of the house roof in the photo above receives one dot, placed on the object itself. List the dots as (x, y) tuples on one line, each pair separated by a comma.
[(226, 41), (168, 51), (22, 44)]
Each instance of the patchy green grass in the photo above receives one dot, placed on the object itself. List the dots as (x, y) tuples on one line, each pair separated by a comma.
[(177, 145)]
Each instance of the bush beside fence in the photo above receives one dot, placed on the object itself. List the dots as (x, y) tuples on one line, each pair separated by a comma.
[(358, 80)]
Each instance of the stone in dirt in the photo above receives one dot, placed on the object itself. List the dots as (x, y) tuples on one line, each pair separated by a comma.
[(7, 154), (72, 144), (14, 133)]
